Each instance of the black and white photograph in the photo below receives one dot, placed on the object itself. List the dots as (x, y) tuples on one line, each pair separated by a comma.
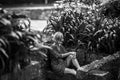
[(59, 39)]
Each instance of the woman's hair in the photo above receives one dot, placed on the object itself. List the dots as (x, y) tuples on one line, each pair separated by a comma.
[(58, 36)]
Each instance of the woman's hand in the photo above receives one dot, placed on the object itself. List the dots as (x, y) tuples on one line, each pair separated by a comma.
[(68, 53), (72, 53)]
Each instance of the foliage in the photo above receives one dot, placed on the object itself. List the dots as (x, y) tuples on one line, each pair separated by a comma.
[(83, 28), (90, 2), (86, 26), (20, 48), (111, 9)]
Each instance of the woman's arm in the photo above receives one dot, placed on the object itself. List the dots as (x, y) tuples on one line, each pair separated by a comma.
[(65, 54), (68, 53), (58, 55)]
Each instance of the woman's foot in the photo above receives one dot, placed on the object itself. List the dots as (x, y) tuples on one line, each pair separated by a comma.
[(81, 73), (82, 69)]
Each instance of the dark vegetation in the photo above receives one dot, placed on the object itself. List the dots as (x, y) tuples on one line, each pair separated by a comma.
[(98, 30), (18, 54)]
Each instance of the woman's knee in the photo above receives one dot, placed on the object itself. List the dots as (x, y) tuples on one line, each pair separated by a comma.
[(72, 56), (74, 53)]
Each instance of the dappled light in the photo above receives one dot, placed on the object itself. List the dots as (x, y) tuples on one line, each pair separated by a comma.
[(90, 32)]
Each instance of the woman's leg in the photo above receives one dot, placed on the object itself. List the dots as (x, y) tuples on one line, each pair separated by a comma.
[(74, 61), (70, 71)]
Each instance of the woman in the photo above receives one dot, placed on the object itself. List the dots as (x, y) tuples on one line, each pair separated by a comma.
[(61, 59)]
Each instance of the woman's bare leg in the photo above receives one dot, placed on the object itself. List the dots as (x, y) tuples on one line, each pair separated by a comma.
[(70, 71), (74, 61), (69, 59)]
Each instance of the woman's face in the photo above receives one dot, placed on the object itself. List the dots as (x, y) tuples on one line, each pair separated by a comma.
[(59, 42), (58, 38)]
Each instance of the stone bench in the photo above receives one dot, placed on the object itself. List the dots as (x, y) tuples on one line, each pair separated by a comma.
[(53, 76), (93, 75)]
